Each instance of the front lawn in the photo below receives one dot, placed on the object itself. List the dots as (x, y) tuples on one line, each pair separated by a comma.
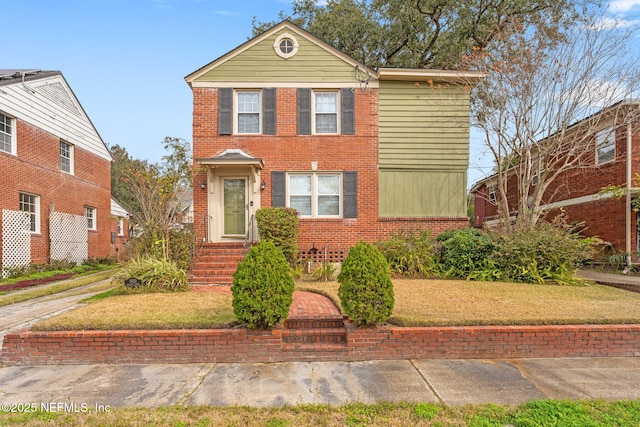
[(418, 303)]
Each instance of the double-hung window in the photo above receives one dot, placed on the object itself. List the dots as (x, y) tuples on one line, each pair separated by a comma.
[(31, 203), (7, 132), (315, 194), (325, 112), (66, 157), (120, 227), (90, 213), (248, 111), (605, 146), (492, 194)]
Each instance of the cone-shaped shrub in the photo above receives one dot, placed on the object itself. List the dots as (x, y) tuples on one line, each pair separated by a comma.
[(366, 291), (262, 287)]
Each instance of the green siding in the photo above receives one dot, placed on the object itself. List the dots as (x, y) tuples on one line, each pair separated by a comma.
[(423, 126), (422, 193), (260, 63)]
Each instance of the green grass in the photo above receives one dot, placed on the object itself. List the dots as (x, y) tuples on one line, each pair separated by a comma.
[(50, 289), (540, 413), (417, 303)]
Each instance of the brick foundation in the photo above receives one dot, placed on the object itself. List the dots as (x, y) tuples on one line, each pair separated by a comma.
[(381, 343)]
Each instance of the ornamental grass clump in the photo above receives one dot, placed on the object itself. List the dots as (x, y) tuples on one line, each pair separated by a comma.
[(366, 291), (262, 287), (155, 274)]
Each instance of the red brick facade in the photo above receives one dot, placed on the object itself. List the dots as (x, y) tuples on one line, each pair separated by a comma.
[(381, 343), (36, 170), (575, 191), (287, 151)]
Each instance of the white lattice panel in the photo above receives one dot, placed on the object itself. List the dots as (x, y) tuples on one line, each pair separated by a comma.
[(69, 237), (16, 239)]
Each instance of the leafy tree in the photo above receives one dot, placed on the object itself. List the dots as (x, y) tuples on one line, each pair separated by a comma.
[(538, 87), (149, 191), (420, 33)]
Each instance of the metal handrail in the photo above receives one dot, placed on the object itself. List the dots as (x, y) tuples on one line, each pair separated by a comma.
[(248, 239)]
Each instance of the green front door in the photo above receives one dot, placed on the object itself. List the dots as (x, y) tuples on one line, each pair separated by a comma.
[(235, 203)]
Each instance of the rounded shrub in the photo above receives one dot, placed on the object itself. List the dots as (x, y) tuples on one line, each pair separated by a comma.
[(262, 287), (464, 252), (280, 226), (366, 291)]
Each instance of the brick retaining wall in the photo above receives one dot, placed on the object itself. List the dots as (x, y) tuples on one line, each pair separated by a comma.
[(243, 345)]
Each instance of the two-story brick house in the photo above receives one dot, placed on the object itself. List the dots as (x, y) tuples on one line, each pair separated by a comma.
[(55, 167), (612, 157), (287, 120)]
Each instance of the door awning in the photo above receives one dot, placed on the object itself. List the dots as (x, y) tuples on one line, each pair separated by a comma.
[(232, 157)]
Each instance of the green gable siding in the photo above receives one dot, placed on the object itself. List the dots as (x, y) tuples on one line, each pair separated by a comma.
[(260, 63), (422, 193), (423, 127)]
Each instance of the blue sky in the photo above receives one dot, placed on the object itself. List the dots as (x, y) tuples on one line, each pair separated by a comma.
[(126, 59)]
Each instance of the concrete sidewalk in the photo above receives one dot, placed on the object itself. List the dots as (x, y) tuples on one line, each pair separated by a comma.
[(452, 382)]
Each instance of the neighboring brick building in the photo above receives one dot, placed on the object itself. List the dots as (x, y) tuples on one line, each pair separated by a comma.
[(287, 120), (576, 192), (56, 188)]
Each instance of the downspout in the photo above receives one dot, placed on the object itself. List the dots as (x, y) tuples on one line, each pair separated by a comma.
[(628, 203)]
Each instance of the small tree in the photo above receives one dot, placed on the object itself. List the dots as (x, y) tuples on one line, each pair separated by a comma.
[(262, 287), (366, 291)]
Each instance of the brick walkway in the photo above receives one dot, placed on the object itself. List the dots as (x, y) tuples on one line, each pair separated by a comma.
[(305, 304)]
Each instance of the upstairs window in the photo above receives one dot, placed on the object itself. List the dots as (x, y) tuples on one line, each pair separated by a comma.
[(325, 112), (31, 203), (90, 213), (66, 157), (248, 112), (7, 132), (492, 194), (605, 146), (120, 227)]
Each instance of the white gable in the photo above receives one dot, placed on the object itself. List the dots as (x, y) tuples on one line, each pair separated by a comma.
[(49, 104)]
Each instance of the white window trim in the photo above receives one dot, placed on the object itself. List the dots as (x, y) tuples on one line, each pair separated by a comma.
[(236, 113), (71, 170), (120, 226), (94, 217), (491, 189), (12, 120), (313, 112), (276, 45), (314, 193), (36, 214), (610, 133)]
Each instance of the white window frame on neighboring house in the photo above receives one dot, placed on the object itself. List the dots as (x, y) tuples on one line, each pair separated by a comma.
[(66, 157), (31, 203), (243, 109), (491, 189), (606, 138), (320, 110), (92, 218), (314, 194), (7, 134)]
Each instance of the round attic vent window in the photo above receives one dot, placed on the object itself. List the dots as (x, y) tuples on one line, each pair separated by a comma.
[(286, 45)]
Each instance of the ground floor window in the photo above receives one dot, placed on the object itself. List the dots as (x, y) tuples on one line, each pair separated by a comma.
[(90, 213), (31, 203), (315, 194)]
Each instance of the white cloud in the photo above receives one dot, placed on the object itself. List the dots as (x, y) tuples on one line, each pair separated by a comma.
[(617, 22), (225, 12), (624, 5)]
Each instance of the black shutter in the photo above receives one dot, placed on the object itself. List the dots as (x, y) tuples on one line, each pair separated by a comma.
[(304, 111), (278, 189), (225, 111), (269, 111), (347, 122), (350, 192)]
